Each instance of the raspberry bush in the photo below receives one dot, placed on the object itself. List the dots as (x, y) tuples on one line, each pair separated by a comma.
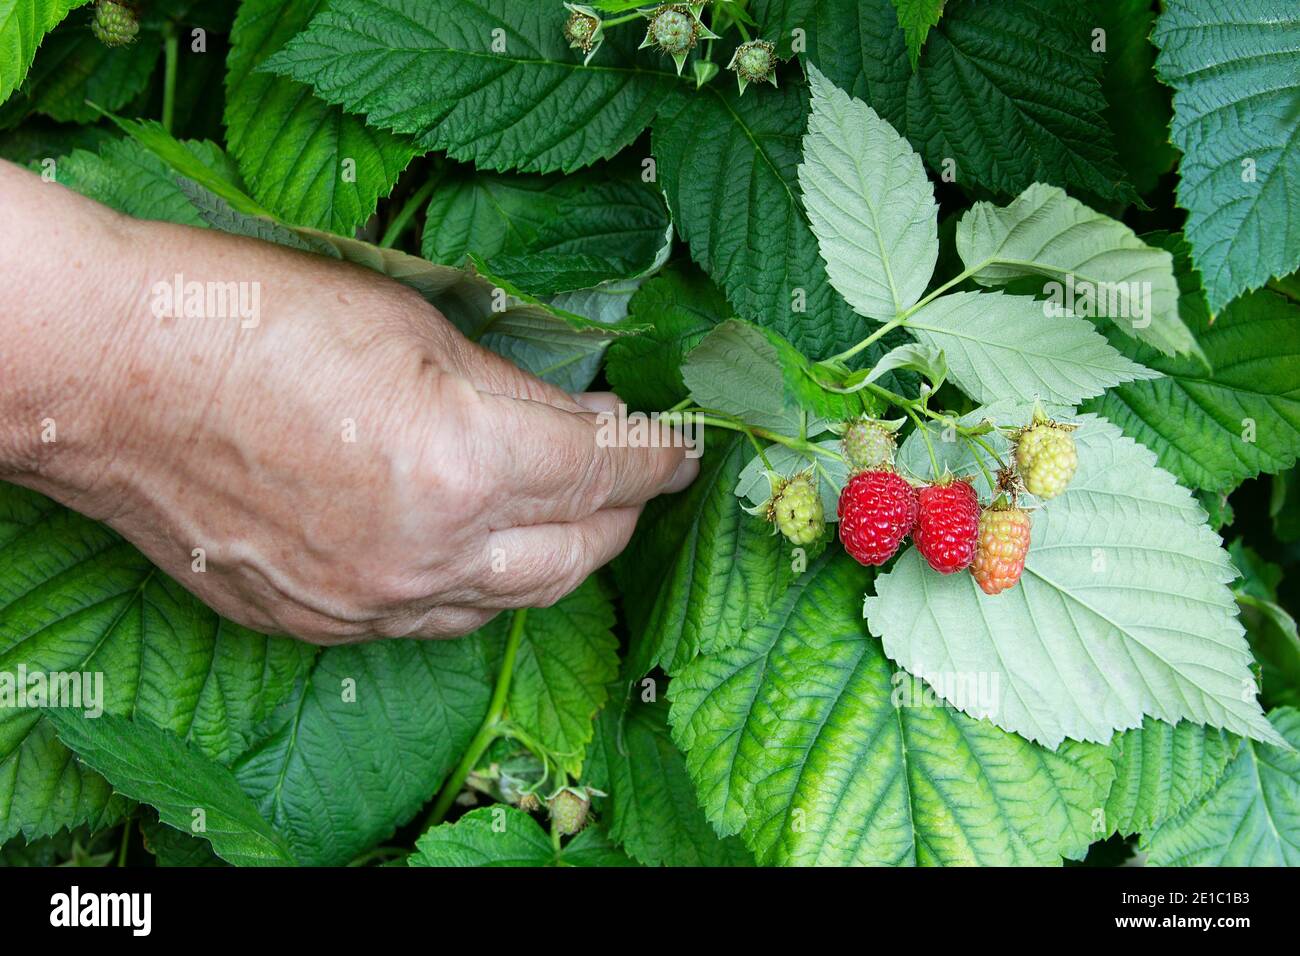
[(985, 315)]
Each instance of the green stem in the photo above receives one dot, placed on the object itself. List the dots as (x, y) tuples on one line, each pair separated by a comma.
[(806, 447), (970, 442), (488, 731), (988, 448), (902, 317), (126, 840), (407, 212), (744, 34), (623, 19), (170, 50), (925, 435), (874, 336)]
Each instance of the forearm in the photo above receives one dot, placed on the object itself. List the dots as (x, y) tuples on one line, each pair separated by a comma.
[(68, 268)]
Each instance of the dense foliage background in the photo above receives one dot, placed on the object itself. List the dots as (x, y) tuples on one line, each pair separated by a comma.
[(628, 213)]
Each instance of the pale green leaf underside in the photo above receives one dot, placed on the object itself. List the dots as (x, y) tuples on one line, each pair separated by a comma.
[(737, 369), (1123, 611), (1250, 818), (291, 146), (1002, 346), (430, 69), (1232, 64), (1161, 768), (74, 597), (23, 24), (566, 660), (190, 791), (869, 203), (1045, 232), (504, 836), (794, 741)]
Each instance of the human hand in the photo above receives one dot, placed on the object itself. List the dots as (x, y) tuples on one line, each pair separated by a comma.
[(350, 467)]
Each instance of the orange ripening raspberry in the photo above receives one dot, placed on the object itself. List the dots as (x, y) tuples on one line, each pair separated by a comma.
[(1003, 545)]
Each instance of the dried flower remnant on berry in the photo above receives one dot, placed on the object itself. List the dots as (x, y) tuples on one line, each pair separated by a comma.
[(674, 29), (584, 30), (754, 62)]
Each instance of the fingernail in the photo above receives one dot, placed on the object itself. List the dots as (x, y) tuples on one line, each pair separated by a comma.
[(683, 476), (598, 402)]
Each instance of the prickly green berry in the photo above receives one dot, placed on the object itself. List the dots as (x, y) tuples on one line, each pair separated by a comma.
[(1046, 458), (754, 62), (796, 508), (115, 24), (568, 808), (868, 444), (673, 30)]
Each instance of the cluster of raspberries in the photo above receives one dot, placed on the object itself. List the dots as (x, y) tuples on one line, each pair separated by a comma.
[(879, 508)]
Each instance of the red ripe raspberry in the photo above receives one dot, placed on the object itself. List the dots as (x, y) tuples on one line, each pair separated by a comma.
[(947, 527), (877, 510), (1003, 544)]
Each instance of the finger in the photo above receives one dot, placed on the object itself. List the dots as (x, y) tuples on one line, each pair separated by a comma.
[(538, 565), (599, 403), (439, 622), (555, 466)]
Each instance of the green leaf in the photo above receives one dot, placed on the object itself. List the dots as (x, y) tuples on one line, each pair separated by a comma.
[(292, 147), (916, 17), (171, 847), (34, 142), (651, 810), (1250, 818), (364, 742), (76, 598), (1085, 645), (566, 660), (1274, 637), (1161, 768), (191, 792), (1236, 111), (1214, 429), (1005, 94), (128, 177), (1006, 347), (778, 20), (73, 67), (1137, 106), (501, 835), (864, 769), (698, 569), (435, 70), (549, 233), (23, 24), (1098, 266), (729, 168), (869, 202), (645, 370), (737, 369)]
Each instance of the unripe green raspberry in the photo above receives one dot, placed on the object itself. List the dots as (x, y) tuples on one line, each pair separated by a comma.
[(796, 507), (569, 808), (673, 30), (868, 444), (1046, 457), (115, 24), (754, 62)]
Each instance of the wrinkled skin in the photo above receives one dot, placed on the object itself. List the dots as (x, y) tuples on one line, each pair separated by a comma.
[(352, 467)]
